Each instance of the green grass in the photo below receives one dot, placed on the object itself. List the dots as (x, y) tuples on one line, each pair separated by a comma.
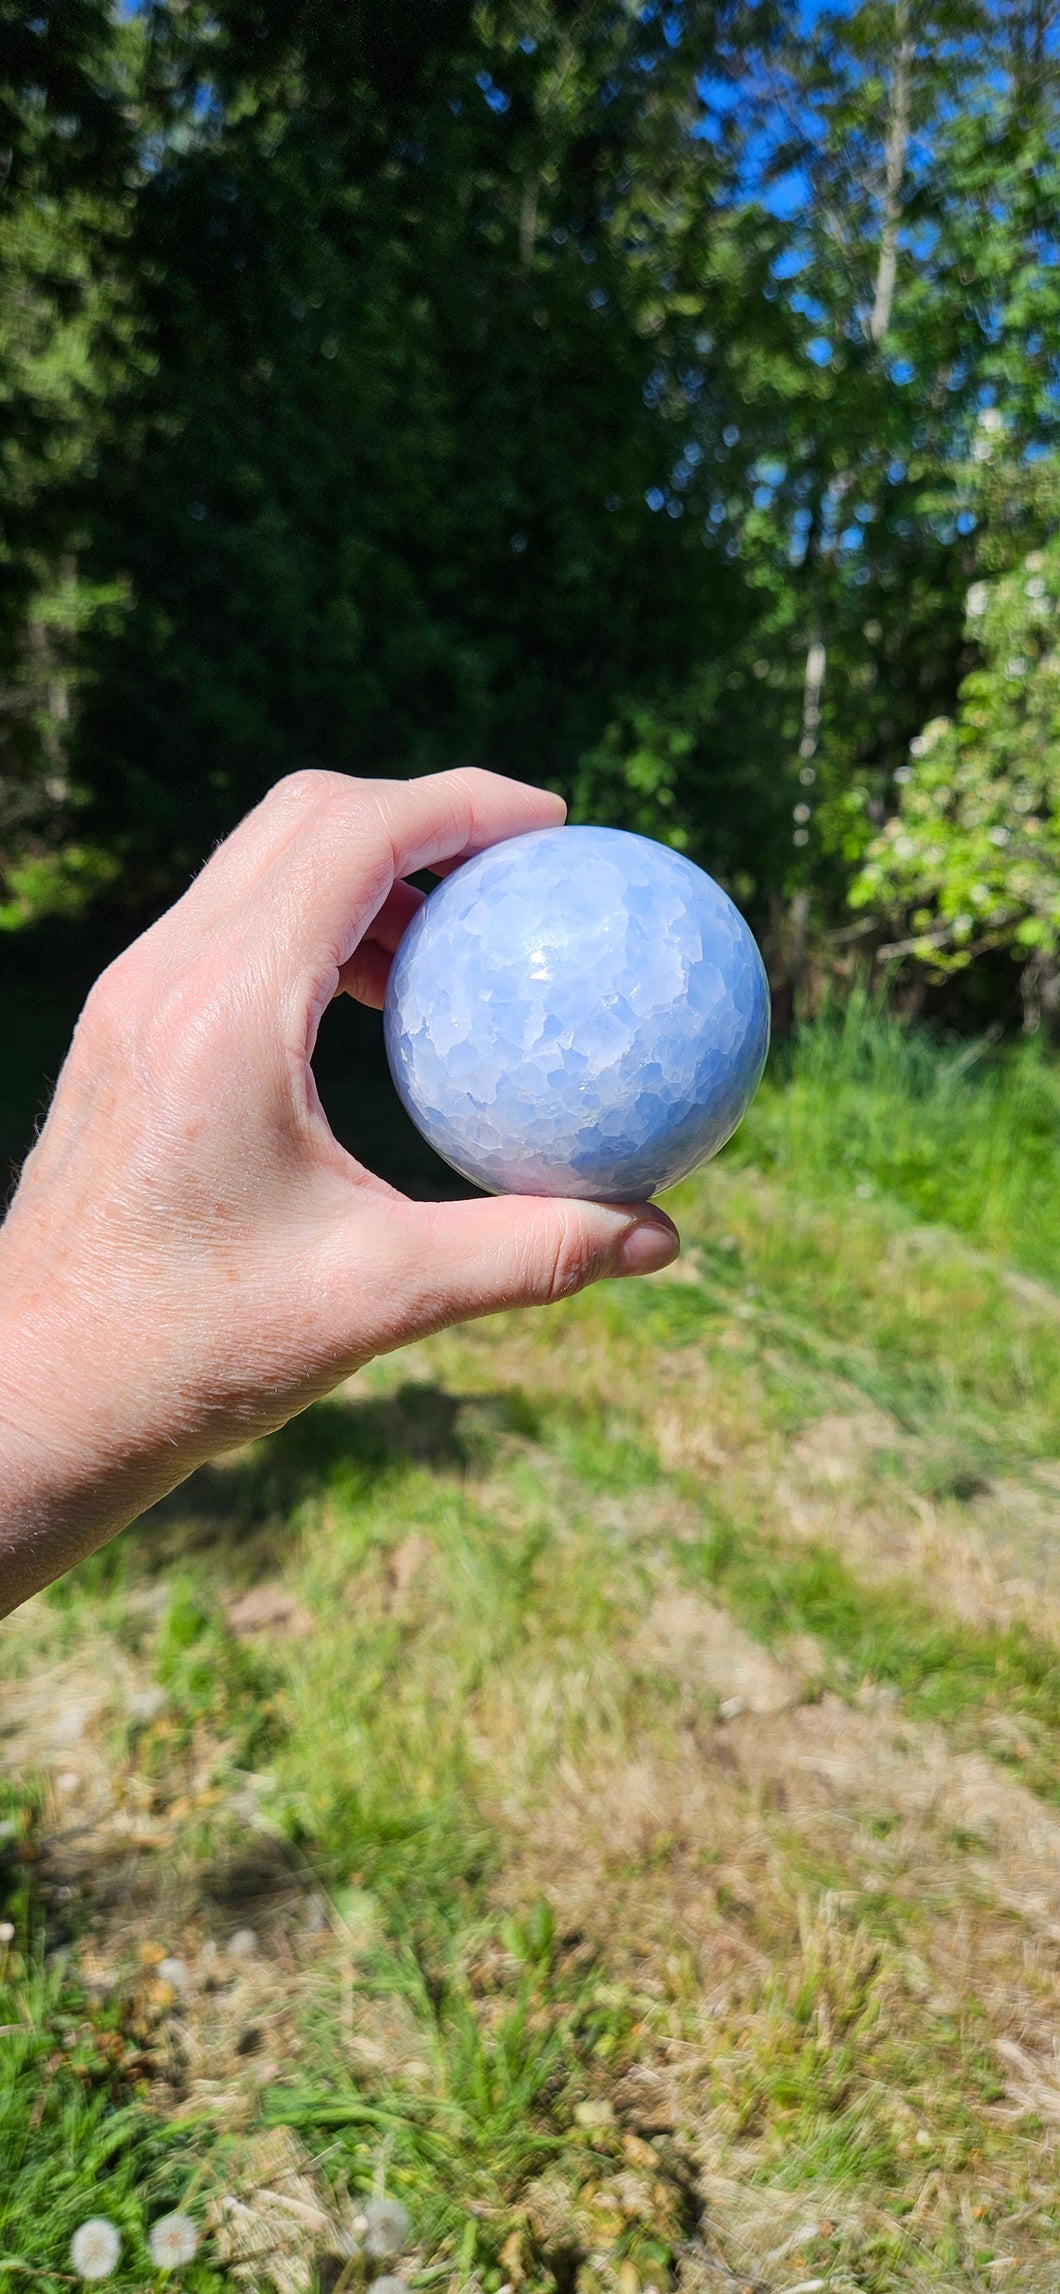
[(965, 1135), (76, 2136), (546, 1874)]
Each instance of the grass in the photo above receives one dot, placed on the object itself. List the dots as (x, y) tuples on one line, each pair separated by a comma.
[(76, 2136), (962, 1134), (942, 1668), (628, 1737)]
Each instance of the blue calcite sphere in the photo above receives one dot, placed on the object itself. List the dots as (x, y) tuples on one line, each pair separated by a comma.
[(577, 1011)]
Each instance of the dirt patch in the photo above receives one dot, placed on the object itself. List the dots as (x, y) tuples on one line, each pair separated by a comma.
[(269, 1611), (843, 1445), (992, 1558), (709, 1653)]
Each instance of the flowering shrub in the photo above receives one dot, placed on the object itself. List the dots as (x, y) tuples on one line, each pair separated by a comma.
[(972, 856)]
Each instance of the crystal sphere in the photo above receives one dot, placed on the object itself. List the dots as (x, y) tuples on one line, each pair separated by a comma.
[(577, 1011)]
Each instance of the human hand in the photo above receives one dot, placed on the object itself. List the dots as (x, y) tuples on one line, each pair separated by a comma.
[(191, 1257)]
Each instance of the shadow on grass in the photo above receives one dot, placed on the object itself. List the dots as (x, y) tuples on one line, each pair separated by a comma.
[(349, 1448)]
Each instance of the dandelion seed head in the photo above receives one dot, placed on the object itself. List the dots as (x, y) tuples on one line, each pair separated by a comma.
[(95, 2248), (388, 2286), (386, 2229), (173, 2240)]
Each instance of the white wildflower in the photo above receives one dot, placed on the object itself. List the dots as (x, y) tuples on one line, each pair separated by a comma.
[(7, 1932), (917, 747), (388, 2286), (244, 1943), (903, 773), (95, 2248), (1017, 667), (386, 2228), (992, 421), (173, 2240), (1035, 588), (174, 1972), (998, 835), (978, 599), (1034, 561)]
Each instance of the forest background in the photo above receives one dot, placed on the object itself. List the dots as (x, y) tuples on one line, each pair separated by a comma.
[(660, 401)]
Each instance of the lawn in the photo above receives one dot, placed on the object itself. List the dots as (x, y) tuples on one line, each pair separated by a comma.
[(595, 1780)]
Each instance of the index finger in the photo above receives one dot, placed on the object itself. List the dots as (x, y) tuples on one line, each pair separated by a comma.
[(327, 882)]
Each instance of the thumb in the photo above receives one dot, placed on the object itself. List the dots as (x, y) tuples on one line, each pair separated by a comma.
[(447, 1262)]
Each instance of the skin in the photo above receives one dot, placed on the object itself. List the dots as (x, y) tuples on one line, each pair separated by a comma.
[(190, 1257)]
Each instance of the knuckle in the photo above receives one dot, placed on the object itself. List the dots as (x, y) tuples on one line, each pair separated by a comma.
[(149, 1025), (309, 789), (109, 1015), (471, 785)]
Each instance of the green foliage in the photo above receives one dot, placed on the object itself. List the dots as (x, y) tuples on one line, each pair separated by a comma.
[(66, 329), (425, 331), (604, 394), (973, 854)]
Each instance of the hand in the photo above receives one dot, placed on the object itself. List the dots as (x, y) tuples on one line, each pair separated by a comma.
[(190, 1256)]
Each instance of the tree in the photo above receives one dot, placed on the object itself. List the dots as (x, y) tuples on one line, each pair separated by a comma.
[(418, 469), (970, 861), (65, 149)]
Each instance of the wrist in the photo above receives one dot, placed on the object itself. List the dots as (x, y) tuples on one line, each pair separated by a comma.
[(71, 1472)]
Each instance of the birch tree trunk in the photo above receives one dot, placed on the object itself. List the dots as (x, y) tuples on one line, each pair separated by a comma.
[(895, 149)]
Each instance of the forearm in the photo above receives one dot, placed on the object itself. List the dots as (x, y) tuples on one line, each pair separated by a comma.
[(68, 1480), (81, 1449)]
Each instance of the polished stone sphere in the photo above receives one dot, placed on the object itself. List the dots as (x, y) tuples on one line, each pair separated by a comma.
[(577, 1011)]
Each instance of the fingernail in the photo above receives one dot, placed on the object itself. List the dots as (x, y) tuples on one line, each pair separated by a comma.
[(647, 1247)]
